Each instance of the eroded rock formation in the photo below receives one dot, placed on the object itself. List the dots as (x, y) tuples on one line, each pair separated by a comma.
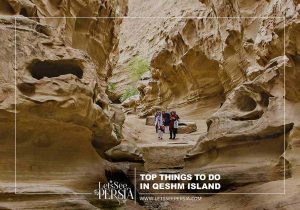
[(53, 99), (240, 56), (144, 36)]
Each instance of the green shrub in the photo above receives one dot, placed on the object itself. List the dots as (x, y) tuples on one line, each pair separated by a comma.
[(137, 67), (130, 91), (111, 86)]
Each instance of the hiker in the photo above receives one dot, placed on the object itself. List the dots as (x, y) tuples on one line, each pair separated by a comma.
[(166, 117), (159, 124), (156, 115), (173, 124)]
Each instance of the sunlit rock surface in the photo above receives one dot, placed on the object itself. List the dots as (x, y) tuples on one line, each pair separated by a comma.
[(235, 68), (53, 99), (239, 56)]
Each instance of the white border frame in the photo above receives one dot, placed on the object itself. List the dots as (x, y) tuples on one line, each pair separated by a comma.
[(149, 17)]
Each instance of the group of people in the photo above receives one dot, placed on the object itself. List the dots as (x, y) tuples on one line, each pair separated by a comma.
[(166, 122)]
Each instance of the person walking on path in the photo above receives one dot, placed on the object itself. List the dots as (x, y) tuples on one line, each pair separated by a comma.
[(155, 118), (166, 117), (159, 124), (173, 124)]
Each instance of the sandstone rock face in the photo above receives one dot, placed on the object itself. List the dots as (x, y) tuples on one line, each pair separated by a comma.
[(55, 95), (186, 127), (247, 66), (126, 151), (96, 36), (144, 37), (150, 120), (131, 102), (252, 129), (172, 156), (226, 57)]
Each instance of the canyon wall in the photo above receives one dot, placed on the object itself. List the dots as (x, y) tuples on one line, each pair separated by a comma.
[(239, 59), (255, 129), (144, 34), (194, 59), (56, 120), (236, 66)]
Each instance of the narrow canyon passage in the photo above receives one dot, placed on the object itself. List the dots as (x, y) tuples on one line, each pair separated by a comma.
[(81, 82), (169, 153)]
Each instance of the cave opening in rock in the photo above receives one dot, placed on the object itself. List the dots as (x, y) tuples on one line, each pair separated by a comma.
[(264, 99), (208, 123), (254, 116), (101, 104), (116, 101), (245, 103), (40, 69), (24, 12), (26, 88)]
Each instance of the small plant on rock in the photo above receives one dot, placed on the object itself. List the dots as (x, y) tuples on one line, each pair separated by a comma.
[(130, 91), (111, 86), (137, 67)]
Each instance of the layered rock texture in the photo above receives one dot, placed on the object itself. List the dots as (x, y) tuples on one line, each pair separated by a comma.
[(146, 34), (240, 58), (236, 67), (56, 120)]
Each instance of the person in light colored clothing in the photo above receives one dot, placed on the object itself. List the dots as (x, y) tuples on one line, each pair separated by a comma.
[(159, 124)]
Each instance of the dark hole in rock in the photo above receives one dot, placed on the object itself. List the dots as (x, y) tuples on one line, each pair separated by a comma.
[(24, 12), (264, 99), (181, 124), (254, 116), (101, 104), (116, 101), (43, 29), (250, 40), (296, 58), (40, 69), (208, 123), (95, 143), (245, 103), (26, 88), (94, 97), (273, 64)]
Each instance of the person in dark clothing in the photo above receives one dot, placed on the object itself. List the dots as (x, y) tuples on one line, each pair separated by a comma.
[(166, 116), (173, 124)]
